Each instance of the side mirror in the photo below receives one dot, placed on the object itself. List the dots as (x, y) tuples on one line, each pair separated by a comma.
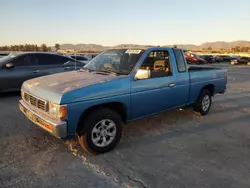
[(142, 74), (9, 66)]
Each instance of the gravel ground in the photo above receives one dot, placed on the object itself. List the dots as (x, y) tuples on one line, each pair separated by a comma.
[(173, 149)]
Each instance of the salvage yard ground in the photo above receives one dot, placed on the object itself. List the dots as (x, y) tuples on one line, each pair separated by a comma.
[(174, 149)]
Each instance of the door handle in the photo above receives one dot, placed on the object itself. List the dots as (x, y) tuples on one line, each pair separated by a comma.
[(36, 71), (171, 85)]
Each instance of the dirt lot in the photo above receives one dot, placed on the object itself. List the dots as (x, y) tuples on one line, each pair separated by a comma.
[(174, 149)]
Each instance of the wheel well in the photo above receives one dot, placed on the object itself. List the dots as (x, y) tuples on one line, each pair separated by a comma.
[(210, 88), (119, 107)]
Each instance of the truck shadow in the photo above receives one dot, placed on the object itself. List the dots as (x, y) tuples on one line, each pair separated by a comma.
[(160, 124)]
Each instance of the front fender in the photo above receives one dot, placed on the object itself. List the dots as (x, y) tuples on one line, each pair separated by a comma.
[(77, 110)]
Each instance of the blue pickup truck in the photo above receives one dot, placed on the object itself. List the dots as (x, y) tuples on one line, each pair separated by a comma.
[(116, 87)]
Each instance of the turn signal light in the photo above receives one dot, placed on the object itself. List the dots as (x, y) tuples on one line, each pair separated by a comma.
[(63, 112)]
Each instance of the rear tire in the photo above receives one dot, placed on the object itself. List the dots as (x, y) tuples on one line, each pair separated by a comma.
[(204, 102), (102, 131)]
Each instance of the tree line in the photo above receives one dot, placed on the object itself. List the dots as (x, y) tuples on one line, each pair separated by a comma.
[(235, 49), (45, 48), (29, 48), (36, 48), (241, 49)]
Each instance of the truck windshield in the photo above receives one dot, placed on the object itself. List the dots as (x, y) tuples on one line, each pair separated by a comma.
[(119, 61)]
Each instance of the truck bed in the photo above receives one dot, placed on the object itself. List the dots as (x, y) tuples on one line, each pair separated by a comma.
[(200, 76)]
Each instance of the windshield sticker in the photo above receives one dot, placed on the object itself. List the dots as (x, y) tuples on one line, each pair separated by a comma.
[(133, 51)]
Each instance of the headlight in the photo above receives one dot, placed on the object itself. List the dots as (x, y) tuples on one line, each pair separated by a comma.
[(57, 110)]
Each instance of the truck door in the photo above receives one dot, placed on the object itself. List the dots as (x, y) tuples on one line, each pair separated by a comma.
[(157, 93)]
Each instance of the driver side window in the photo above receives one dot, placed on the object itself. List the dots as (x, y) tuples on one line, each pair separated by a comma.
[(159, 64)]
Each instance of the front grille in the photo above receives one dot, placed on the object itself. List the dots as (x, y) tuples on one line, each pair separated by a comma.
[(38, 103)]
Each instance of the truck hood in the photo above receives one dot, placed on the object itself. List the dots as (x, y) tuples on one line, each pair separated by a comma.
[(53, 87)]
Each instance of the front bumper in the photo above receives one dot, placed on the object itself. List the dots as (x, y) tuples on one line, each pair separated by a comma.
[(57, 128)]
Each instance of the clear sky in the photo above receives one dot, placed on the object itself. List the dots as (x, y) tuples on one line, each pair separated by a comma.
[(112, 22)]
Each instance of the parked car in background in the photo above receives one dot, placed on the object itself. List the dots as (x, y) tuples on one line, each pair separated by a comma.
[(226, 58), (241, 61), (80, 58), (233, 57), (194, 59), (218, 59), (18, 67), (116, 87), (208, 58)]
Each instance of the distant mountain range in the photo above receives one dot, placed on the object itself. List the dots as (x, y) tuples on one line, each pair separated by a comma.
[(214, 45)]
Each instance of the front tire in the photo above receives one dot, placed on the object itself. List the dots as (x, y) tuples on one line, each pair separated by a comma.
[(204, 102), (103, 130)]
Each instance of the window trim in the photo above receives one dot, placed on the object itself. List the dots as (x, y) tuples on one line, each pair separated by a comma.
[(177, 65)]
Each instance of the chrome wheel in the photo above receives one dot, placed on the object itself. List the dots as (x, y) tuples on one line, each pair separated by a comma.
[(205, 103), (103, 133)]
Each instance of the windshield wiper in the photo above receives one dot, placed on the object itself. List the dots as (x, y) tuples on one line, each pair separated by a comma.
[(110, 71)]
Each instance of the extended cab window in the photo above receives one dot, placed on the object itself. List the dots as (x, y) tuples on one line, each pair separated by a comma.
[(158, 62), (180, 61)]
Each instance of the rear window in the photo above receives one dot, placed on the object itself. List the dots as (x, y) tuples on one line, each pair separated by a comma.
[(180, 61)]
